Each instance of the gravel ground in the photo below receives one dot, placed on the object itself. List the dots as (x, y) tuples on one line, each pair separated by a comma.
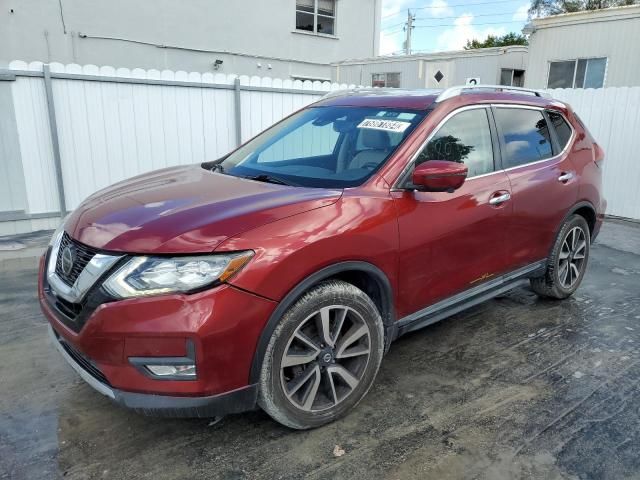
[(515, 388)]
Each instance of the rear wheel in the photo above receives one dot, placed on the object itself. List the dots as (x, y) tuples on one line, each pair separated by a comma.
[(323, 356), (568, 261)]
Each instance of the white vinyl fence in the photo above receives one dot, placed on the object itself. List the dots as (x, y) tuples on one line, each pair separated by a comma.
[(79, 129), (98, 125), (612, 115)]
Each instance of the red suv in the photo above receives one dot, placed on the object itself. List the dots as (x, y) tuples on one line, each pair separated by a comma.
[(280, 274)]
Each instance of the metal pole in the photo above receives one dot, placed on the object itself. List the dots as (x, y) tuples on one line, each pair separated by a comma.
[(238, 111), (409, 27), (53, 127)]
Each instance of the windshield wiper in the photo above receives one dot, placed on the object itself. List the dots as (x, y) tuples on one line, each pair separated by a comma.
[(263, 177)]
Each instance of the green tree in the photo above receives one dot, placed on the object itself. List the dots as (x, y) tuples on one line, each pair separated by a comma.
[(544, 8), (493, 41)]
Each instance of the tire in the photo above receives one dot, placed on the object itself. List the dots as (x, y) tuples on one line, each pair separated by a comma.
[(300, 355), (561, 279)]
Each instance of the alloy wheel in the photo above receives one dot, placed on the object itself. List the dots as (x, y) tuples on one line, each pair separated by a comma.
[(325, 358), (571, 260)]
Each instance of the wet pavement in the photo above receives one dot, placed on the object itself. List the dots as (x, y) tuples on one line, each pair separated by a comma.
[(515, 388)]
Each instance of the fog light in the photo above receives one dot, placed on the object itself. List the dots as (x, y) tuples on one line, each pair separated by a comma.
[(185, 371)]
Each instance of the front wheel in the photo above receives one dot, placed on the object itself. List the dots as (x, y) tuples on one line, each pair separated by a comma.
[(323, 356), (567, 263)]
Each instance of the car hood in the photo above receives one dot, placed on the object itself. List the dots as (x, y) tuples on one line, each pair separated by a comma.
[(185, 210)]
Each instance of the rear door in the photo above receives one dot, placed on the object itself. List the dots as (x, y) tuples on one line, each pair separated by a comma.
[(543, 180)]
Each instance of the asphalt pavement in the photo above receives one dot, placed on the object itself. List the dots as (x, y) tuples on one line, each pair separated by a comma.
[(518, 387)]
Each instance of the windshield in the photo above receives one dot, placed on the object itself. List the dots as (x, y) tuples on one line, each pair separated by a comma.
[(327, 147)]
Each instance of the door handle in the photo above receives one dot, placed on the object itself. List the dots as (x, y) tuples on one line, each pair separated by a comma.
[(500, 199), (565, 177)]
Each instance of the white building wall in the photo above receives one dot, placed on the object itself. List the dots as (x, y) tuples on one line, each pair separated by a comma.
[(185, 35), (612, 33), (417, 71)]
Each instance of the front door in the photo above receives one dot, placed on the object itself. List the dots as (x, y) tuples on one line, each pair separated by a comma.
[(450, 242), (543, 178)]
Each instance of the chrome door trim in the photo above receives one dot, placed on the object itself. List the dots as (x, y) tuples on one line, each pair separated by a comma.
[(541, 109), (472, 296), (411, 161)]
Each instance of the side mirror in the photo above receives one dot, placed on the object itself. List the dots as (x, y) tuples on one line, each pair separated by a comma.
[(439, 176)]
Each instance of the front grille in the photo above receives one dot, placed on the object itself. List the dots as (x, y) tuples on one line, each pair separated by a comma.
[(74, 315), (71, 310), (82, 255), (84, 362)]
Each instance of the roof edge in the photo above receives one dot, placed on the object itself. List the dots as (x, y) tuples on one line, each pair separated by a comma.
[(574, 18), (436, 55)]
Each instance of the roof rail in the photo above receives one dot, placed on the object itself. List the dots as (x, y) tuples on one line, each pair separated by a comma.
[(455, 91)]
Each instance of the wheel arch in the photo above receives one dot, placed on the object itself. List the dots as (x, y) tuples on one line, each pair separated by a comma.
[(586, 210), (583, 208), (366, 276)]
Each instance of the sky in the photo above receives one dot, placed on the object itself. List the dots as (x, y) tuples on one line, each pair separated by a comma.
[(443, 25)]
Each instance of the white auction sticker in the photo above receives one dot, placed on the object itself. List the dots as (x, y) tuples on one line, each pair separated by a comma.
[(386, 125)]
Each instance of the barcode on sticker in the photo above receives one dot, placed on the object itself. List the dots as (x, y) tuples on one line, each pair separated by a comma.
[(386, 125)]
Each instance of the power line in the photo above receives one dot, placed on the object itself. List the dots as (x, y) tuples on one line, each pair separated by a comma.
[(394, 25), (471, 24), (474, 15), (465, 4), (450, 6), (393, 32), (454, 17)]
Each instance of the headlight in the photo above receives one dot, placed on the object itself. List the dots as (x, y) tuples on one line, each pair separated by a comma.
[(143, 276)]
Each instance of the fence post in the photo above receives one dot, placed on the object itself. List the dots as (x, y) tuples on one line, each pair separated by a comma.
[(53, 127), (238, 110)]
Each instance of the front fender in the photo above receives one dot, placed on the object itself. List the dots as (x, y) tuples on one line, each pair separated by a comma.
[(362, 228), (355, 234)]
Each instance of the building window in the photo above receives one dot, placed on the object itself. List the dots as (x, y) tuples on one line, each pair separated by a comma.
[(318, 16), (391, 80), (580, 73), (512, 77)]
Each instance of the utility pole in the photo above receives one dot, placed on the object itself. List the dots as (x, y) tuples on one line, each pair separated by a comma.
[(408, 28)]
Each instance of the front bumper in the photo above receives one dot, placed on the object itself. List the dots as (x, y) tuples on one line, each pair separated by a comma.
[(236, 401), (221, 325)]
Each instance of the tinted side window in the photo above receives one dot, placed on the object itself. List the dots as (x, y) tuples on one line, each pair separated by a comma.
[(525, 134), (562, 128), (464, 138)]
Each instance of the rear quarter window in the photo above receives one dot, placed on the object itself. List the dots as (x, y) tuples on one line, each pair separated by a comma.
[(562, 128)]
